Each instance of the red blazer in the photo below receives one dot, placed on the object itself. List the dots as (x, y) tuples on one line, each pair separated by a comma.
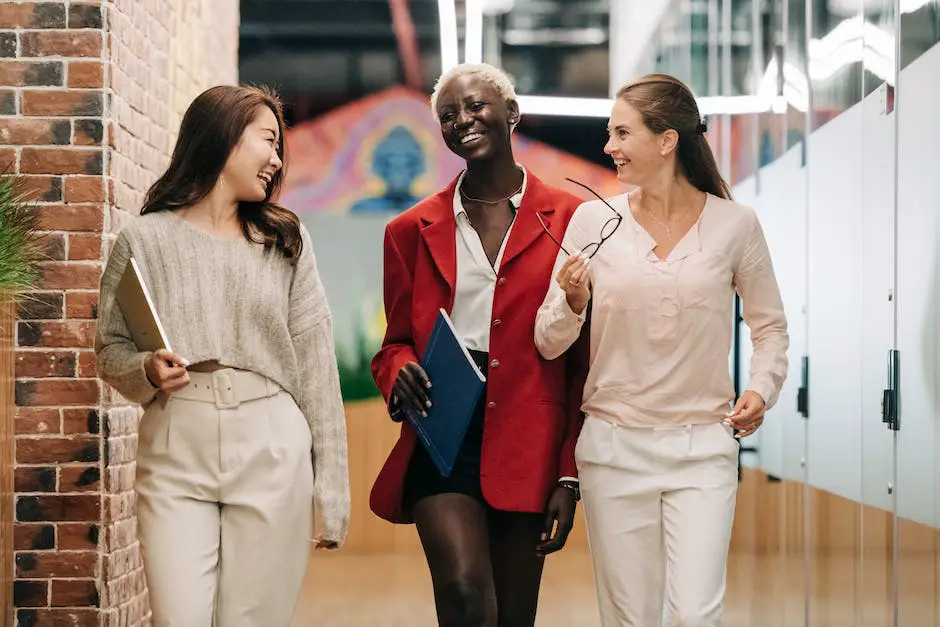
[(533, 415)]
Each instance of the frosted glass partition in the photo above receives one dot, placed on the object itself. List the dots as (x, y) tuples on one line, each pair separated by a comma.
[(836, 167), (876, 216), (918, 278), (918, 492), (781, 206)]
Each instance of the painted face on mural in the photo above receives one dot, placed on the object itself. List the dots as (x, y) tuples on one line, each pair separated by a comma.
[(475, 118), (251, 167)]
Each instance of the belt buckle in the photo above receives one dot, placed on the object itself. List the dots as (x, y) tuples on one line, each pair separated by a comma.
[(223, 389)]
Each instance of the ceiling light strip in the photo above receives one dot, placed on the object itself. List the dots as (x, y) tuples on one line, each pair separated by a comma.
[(600, 107), (473, 35), (447, 12)]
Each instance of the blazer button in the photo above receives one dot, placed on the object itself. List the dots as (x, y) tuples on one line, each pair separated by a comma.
[(494, 363), (491, 405), (502, 281)]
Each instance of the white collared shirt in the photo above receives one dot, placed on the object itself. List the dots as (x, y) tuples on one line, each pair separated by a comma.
[(476, 278)]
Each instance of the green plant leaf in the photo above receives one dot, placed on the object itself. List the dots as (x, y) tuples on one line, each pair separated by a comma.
[(20, 246)]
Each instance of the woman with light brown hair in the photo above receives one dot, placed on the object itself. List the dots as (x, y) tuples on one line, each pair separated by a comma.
[(657, 455), (243, 428)]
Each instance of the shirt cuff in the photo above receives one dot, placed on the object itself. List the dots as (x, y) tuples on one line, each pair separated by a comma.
[(561, 328), (567, 313), (572, 479), (764, 390)]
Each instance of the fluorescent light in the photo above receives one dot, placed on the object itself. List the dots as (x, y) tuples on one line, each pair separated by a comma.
[(448, 17), (733, 105), (600, 107), (550, 36), (473, 35), (575, 107)]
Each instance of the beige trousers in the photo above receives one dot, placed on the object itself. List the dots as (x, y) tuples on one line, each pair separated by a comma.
[(659, 506), (224, 503)]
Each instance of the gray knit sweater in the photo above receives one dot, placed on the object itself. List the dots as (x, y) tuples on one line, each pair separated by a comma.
[(225, 299)]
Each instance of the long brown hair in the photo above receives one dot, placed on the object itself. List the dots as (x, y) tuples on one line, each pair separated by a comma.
[(666, 103), (212, 126)]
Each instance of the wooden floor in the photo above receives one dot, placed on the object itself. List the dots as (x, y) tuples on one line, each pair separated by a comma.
[(381, 580), (763, 591), (395, 591)]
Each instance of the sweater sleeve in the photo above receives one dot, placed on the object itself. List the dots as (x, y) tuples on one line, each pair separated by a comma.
[(321, 401), (119, 362)]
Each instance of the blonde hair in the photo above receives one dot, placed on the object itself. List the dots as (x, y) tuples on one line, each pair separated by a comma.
[(489, 74)]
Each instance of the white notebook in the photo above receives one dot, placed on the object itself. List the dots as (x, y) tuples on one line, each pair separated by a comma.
[(139, 312)]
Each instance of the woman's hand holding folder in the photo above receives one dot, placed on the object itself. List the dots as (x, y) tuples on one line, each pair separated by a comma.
[(166, 371), (410, 392)]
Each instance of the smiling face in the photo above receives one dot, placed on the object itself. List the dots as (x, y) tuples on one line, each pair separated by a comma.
[(639, 154), (253, 164), (476, 121)]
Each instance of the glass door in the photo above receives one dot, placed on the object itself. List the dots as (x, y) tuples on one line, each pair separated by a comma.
[(877, 312), (836, 237), (918, 310)]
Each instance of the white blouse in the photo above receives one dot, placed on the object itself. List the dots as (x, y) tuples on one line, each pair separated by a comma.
[(476, 278), (661, 329)]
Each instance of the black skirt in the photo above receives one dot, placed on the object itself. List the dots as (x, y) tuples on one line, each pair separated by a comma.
[(423, 478)]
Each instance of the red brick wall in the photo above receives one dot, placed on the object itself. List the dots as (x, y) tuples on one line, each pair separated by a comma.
[(90, 97)]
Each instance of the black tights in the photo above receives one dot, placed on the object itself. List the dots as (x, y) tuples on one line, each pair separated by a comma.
[(483, 563)]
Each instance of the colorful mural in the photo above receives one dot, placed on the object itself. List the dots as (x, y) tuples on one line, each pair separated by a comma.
[(352, 170)]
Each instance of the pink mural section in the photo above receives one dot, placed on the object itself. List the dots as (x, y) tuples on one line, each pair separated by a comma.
[(387, 147)]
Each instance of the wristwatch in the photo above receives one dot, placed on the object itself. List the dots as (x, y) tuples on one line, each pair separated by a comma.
[(574, 486)]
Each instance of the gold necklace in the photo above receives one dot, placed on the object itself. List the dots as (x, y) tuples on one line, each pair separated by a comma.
[(667, 227), (674, 221), (492, 202)]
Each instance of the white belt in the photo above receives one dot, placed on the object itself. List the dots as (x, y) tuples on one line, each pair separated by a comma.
[(227, 388)]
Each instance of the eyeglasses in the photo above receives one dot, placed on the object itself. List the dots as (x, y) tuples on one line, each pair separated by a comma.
[(606, 231)]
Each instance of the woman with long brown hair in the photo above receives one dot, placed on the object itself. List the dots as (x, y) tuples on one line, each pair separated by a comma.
[(658, 452), (243, 427)]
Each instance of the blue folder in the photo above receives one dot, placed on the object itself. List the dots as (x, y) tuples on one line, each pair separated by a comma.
[(456, 385)]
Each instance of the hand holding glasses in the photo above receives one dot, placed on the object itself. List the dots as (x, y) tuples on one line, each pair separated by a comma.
[(575, 279), (575, 275)]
